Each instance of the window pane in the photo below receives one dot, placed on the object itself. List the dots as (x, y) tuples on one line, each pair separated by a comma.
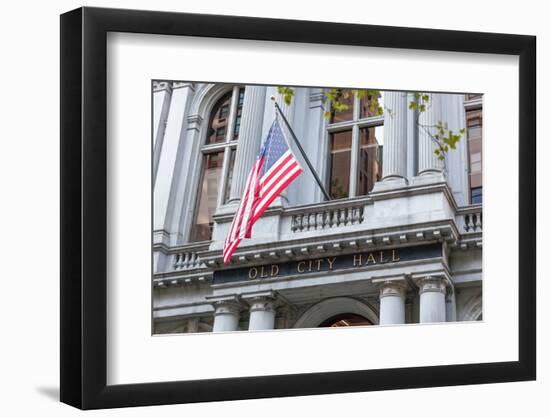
[(370, 101), (339, 164), (477, 195), (346, 98), (219, 118), (239, 114), (208, 196), (474, 123), (229, 175), (370, 159)]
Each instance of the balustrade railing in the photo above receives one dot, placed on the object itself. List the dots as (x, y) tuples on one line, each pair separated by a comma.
[(471, 219), (320, 218), (188, 258)]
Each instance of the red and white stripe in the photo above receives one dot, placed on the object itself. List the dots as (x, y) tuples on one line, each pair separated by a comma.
[(259, 194)]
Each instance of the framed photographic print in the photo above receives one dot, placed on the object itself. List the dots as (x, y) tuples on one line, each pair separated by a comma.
[(258, 208)]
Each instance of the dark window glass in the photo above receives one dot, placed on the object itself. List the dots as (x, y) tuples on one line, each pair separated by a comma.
[(344, 115), (224, 111), (229, 174), (370, 162), (366, 102), (477, 195), (208, 196), (339, 164), (219, 120), (239, 114), (220, 134)]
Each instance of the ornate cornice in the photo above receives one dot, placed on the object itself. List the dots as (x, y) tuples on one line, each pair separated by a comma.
[(162, 86)]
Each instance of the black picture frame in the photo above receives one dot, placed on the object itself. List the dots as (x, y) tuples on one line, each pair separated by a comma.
[(84, 207)]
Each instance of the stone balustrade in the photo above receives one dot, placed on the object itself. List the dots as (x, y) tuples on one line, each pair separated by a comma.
[(320, 217), (470, 219), (188, 257)]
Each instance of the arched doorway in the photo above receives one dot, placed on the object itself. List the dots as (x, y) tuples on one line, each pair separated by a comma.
[(331, 310), (346, 320)]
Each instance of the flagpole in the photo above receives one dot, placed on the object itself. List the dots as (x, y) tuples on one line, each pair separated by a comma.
[(297, 142)]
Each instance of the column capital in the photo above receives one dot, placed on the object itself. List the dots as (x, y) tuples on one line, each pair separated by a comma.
[(317, 98), (260, 301), (392, 300), (432, 284), (229, 304), (393, 288)]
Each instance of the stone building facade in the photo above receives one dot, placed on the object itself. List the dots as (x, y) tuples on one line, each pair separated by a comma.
[(399, 242)]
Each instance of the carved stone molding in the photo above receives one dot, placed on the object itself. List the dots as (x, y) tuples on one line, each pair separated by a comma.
[(194, 122), (261, 301), (392, 288), (226, 305), (162, 86), (432, 284)]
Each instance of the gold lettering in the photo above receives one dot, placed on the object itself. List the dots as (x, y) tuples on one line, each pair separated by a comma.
[(262, 273), (274, 270), (252, 273), (300, 267), (319, 264), (331, 262), (394, 256), (382, 260), (309, 269), (357, 259), (370, 259)]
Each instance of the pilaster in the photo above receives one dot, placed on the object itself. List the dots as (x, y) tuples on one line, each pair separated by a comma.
[(250, 138), (428, 162), (394, 166)]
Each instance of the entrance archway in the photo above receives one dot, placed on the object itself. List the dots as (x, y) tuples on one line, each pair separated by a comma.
[(333, 308), (346, 320)]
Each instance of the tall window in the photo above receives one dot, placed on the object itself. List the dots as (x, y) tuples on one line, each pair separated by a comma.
[(355, 147), (218, 160), (474, 124)]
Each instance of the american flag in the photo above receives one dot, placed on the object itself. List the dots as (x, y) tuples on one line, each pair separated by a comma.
[(274, 169)]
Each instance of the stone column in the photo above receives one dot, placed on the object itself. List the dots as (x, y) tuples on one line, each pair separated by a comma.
[(428, 162), (226, 315), (169, 159), (250, 138), (392, 302), (394, 164), (162, 93), (432, 299), (262, 310)]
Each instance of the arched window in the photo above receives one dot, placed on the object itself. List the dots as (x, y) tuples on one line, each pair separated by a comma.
[(218, 159), (355, 137)]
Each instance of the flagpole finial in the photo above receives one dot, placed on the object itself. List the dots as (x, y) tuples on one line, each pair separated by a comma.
[(272, 98)]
